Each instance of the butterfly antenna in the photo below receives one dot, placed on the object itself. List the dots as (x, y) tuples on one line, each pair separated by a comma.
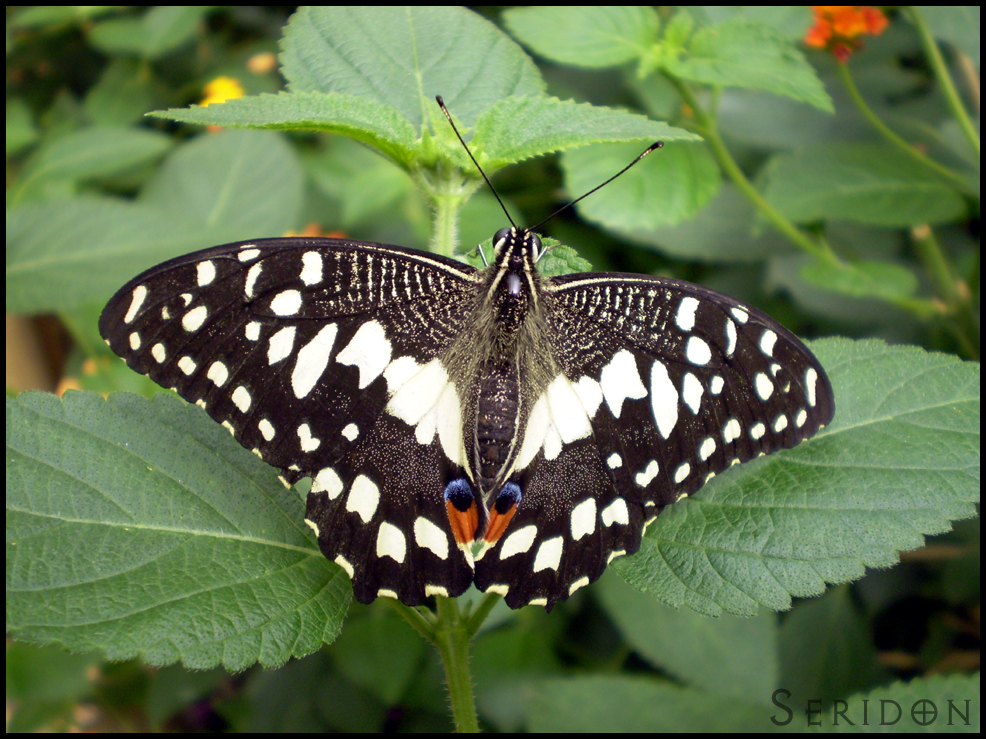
[(648, 150), (441, 104)]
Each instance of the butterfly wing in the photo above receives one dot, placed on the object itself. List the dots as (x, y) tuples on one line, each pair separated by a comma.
[(300, 347), (663, 385)]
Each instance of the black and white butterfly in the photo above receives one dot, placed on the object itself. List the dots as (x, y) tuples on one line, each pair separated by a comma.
[(463, 426)]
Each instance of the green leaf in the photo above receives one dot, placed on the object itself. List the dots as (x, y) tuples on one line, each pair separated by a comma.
[(404, 57), (91, 152), (594, 36), (215, 189), (863, 279), (21, 130), (122, 96), (859, 182), (361, 118), (927, 704), (143, 529), (728, 656), (669, 186), (161, 29), (825, 649), (739, 53), (618, 705), (519, 128), (900, 460), (722, 231)]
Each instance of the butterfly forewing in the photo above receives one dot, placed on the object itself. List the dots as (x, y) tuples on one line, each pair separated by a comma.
[(287, 343)]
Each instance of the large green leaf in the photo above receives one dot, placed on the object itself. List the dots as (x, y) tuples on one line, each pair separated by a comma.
[(899, 462), (85, 154), (141, 528), (592, 36), (153, 34), (403, 57), (740, 53), (858, 182), (215, 189), (667, 187)]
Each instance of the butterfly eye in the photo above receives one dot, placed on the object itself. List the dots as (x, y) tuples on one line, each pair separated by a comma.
[(535, 242), (500, 236)]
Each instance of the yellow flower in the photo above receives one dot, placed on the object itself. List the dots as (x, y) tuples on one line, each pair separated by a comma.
[(222, 89)]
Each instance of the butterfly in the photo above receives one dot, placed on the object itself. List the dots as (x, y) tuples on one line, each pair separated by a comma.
[(462, 425)]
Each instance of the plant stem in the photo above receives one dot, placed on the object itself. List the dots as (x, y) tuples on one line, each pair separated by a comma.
[(884, 130), (451, 637), (953, 291), (708, 128), (933, 53)]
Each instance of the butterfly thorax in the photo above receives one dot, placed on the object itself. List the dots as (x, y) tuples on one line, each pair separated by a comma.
[(501, 342)]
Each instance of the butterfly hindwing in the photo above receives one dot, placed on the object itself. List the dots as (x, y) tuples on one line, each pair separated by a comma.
[(300, 348)]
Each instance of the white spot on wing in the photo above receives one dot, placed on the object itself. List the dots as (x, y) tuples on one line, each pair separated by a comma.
[(205, 273), (364, 497), (246, 254), (218, 373), (344, 564), (643, 479), (580, 583), (311, 271), (159, 353), (763, 385), (137, 300), (716, 385), (266, 429), (614, 461), (351, 431), (519, 541), (664, 399), (685, 317), (731, 431), (707, 448), (391, 542), (241, 399), (313, 527), (583, 519), (187, 365), (568, 415), (251, 279), (548, 556), (682, 472), (252, 331), (811, 380), (429, 536), (134, 341), (590, 393), (691, 392), (767, 342), (740, 315), (730, 337), (620, 380), (286, 303), (426, 399), (801, 418), (757, 431), (436, 590), (328, 481), (615, 512), (309, 443), (780, 423), (193, 320), (369, 350), (312, 360), (697, 351), (281, 345)]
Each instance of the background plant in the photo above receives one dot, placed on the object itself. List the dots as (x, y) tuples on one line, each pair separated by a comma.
[(795, 199)]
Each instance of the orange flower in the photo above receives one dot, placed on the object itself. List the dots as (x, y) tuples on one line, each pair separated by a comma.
[(838, 27)]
